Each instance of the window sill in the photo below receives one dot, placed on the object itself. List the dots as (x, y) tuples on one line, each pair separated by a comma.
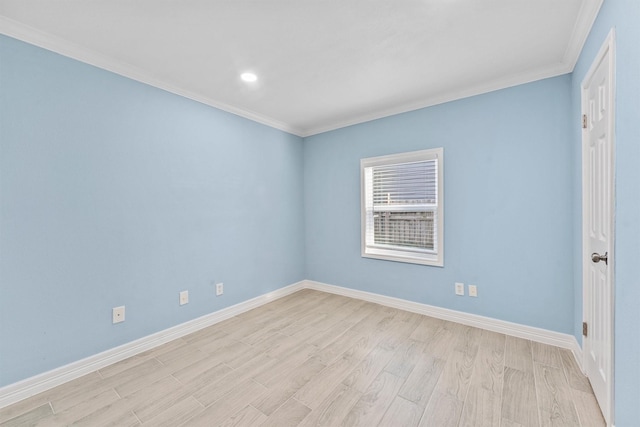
[(433, 261)]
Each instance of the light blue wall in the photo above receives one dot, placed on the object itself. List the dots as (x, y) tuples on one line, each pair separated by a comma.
[(113, 192), (116, 193), (624, 15), (508, 204)]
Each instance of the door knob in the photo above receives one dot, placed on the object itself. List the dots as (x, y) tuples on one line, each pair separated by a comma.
[(596, 257)]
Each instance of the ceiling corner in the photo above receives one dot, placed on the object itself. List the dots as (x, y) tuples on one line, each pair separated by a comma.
[(586, 18), (72, 50)]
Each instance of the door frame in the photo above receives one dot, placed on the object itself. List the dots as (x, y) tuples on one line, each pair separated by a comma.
[(607, 47)]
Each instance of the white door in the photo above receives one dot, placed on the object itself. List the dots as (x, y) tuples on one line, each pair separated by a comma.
[(598, 221)]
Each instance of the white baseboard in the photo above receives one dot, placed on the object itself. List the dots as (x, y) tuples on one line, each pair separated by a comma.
[(15, 392), (508, 328)]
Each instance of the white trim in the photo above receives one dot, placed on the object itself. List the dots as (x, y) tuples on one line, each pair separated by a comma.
[(543, 336), (467, 92), (15, 392), (367, 249), (608, 46), (589, 10), (586, 17), (80, 53)]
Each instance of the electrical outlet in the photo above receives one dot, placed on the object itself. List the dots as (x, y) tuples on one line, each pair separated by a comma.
[(184, 297), (118, 314), (473, 291), (219, 289), (459, 288)]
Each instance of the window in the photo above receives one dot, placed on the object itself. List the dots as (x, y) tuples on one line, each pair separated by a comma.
[(402, 209)]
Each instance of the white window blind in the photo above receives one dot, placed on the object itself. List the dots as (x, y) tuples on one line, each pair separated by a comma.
[(402, 207)]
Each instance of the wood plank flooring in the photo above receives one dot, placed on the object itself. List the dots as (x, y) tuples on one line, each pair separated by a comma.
[(317, 359)]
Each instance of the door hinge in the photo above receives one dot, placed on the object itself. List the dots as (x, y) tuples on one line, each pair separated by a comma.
[(584, 121), (584, 328)]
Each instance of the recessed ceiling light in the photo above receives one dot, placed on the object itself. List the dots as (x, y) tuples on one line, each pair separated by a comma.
[(248, 77)]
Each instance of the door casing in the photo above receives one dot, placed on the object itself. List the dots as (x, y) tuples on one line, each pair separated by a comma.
[(608, 48)]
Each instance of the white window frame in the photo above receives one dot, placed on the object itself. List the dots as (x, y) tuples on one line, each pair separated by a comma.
[(433, 258)]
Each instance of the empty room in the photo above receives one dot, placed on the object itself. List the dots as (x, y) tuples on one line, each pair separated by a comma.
[(320, 213)]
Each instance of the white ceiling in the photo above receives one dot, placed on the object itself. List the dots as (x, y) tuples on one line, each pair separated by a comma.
[(321, 64)]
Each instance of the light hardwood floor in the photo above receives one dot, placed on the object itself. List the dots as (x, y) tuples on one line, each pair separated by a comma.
[(313, 358)]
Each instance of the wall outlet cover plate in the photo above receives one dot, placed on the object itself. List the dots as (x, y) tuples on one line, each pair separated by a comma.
[(184, 297), (118, 314)]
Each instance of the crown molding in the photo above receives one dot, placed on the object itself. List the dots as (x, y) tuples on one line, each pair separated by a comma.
[(25, 33), (588, 12), (587, 15), (467, 92)]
